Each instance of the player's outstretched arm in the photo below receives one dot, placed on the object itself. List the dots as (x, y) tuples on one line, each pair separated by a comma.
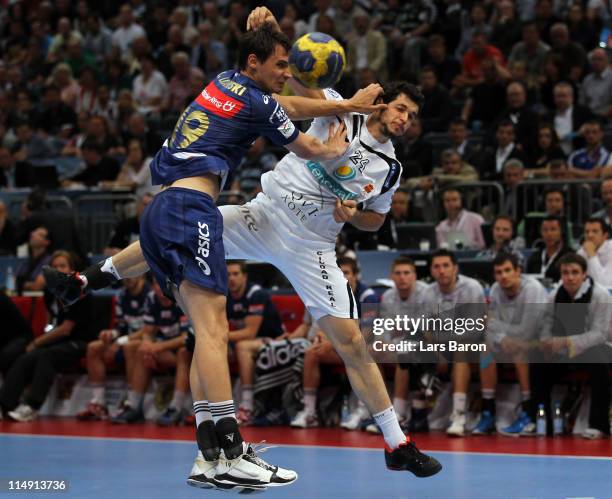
[(308, 147), (305, 108)]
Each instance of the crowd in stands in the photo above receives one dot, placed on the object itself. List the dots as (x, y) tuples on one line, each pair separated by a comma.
[(510, 157)]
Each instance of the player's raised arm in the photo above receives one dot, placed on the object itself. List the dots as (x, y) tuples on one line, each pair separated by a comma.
[(305, 108), (308, 147)]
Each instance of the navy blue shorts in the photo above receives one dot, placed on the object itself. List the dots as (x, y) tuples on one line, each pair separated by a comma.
[(181, 236)]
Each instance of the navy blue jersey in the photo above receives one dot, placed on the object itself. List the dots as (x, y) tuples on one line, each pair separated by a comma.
[(169, 320), (255, 301), (216, 130), (130, 310)]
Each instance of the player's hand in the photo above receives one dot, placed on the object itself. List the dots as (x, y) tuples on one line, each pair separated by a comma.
[(589, 248), (364, 98), (260, 16), (336, 140), (344, 210)]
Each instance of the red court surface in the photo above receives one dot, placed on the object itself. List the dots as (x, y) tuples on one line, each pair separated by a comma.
[(326, 437)]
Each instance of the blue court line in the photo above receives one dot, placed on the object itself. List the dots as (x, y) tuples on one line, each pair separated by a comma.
[(118, 468)]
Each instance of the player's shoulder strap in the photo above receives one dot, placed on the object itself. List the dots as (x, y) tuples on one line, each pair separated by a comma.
[(395, 167)]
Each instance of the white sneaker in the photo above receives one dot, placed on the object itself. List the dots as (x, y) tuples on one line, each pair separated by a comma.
[(457, 426), (202, 473), (353, 420), (250, 471), (593, 434), (23, 413), (304, 419)]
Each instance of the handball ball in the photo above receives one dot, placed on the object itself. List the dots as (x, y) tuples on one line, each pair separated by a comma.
[(317, 60)]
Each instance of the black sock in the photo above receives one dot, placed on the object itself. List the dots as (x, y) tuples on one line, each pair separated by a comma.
[(488, 405), (96, 278), (207, 440), (229, 437)]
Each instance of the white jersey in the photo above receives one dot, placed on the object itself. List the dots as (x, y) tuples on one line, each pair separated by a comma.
[(368, 172)]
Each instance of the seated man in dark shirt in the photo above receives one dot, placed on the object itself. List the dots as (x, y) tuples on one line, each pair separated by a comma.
[(545, 261), (98, 167), (15, 335), (128, 230), (254, 320)]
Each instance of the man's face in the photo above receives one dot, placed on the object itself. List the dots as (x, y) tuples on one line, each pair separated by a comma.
[(399, 116), (516, 96), (593, 134), (428, 81), (554, 203), (502, 231), (606, 193), (399, 205), (444, 271), (531, 35), (479, 43), (361, 23), (599, 60), (452, 203), (559, 37), (458, 134), (594, 233), (404, 277), (513, 176), (350, 276), (558, 171), (508, 277), (236, 278), (24, 133), (272, 74), (452, 164), (38, 238), (572, 277), (504, 135), (563, 97), (551, 232), (6, 158), (437, 51)]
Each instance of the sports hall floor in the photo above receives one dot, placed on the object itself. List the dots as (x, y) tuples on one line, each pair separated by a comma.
[(104, 461)]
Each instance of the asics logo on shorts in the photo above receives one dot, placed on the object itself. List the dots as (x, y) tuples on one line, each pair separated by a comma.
[(203, 247)]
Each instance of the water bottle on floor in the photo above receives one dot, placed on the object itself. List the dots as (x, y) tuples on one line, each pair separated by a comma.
[(541, 421), (557, 420)]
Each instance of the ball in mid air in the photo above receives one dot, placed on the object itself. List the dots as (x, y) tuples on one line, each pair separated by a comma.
[(317, 60)]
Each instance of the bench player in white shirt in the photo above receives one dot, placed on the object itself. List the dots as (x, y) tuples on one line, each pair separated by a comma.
[(294, 222)]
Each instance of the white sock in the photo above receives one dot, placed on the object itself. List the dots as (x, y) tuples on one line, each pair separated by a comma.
[(525, 395), (459, 402), (134, 399), (310, 400), (178, 400), (202, 411), (98, 394), (109, 267), (400, 406), (247, 397), (488, 393), (388, 423), (221, 410)]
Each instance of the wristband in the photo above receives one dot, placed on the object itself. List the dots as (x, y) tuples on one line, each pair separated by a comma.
[(122, 340)]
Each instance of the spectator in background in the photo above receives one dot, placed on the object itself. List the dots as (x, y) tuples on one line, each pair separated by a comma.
[(98, 39), (62, 78), (87, 98), (345, 14), (59, 43), (518, 112), (128, 230), (105, 351), (14, 173), (208, 54), (596, 89), (179, 88), (513, 175), (77, 59), (472, 72), (134, 174), (98, 132), (504, 241), (323, 8), (29, 275), (8, 233), (16, 334), (445, 66), (506, 26), (545, 262), (150, 87), (137, 129), (531, 51), (547, 149), (486, 100), (493, 159), (458, 133), (572, 55), (476, 23), (452, 170), (459, 220), (98, 167), (583, 29), (606, 196), (597, 251), (367, 48), (60, 348), (257, 162), (126, 32), (55, 113), (416, 153), (31, 147), (437, 108), (254, 320), (589, 161), (576, 332), (400, 212)]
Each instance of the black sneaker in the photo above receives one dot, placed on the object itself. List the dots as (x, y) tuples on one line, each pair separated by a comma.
[(408, 458), (67, 287)]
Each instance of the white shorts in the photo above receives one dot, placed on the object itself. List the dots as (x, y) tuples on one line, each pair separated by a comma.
[(259, 230)]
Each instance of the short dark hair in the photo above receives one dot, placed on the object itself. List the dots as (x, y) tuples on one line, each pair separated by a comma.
[(602, 223), (395, 88), (241, 263), (403, 260), (458, 121), (262, 43), (504, 123), (554, 189), (507, 218), (440, 253), (571, 258), (504, 257), (347, 260), (595, 121), (92, 145)]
